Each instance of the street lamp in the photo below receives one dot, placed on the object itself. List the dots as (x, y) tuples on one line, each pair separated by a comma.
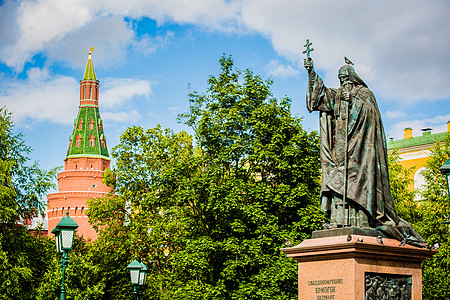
[(64, 233), (445, 169), (138, 275)]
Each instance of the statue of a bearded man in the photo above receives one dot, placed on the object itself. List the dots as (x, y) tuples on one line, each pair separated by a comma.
[(355, 181)]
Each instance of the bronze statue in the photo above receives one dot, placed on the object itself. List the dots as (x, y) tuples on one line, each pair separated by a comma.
[(355, 181)]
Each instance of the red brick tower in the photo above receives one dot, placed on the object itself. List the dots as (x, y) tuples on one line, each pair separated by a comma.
[(86, 160)]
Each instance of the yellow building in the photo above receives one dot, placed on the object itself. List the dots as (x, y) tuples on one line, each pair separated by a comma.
[(414, 151)]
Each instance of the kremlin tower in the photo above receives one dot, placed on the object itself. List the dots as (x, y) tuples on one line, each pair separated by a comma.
[(86, 160)]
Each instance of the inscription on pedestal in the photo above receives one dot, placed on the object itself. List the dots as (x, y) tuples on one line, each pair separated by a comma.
[(387, 286), (325, 289)]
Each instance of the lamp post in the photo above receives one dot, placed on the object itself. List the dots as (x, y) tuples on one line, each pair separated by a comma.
[(445, 169), (138, 275), (64, 233)]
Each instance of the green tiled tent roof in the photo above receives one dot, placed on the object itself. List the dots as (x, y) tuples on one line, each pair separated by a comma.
[(86, 131), (89, 73)]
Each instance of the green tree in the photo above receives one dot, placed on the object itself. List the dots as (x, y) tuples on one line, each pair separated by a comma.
[(83, 275), (427, 215), (23, 257), (435, 210), (209, 220), (404, 198), (256, 184), (139, 218)]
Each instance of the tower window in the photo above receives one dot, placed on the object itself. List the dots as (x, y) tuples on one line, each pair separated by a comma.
[(78, 141), (91, 125), (92, 140), (90, 92), (80, 124)]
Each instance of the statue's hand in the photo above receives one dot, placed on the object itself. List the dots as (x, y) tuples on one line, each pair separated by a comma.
[(347, 96), (308, 63)]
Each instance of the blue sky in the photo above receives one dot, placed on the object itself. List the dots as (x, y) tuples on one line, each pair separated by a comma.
[(147, 53)]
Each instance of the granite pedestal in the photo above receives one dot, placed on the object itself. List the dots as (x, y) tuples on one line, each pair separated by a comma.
[(353, 267)]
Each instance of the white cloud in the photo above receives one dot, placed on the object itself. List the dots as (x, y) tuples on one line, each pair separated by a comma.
[(110, 36), (175, 110), (115, 91), (438, 124), (277, 69), (400, 48), (43, 97), (62, 26), (121, 116), (40, 22), (395, 114), (49, 97), (148, 44)]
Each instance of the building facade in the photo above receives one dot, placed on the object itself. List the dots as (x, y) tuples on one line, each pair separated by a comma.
[(86, 160), (414, 151)]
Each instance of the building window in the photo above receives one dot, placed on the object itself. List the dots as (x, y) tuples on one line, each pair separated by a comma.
[(103, 143), (80, 124), (91, 125), (90, 92)]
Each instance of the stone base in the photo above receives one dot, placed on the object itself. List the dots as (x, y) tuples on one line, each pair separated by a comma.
[(338, 268)]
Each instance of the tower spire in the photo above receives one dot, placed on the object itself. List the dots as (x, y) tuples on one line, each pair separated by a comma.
[(89, 73), (88, 138)]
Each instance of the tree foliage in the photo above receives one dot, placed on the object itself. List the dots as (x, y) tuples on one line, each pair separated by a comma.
[(404, 198), (427, 215), (23, 257), (209, 218), (435, 210)]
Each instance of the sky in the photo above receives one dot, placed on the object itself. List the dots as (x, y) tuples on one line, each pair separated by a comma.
[(149, 54)]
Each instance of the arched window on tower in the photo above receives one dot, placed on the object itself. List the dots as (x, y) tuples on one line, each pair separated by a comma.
[(90, 92), (92, 140), (78, 141), (91, 124), (100, 126), (80, 124), (102, 141), (84, 93)]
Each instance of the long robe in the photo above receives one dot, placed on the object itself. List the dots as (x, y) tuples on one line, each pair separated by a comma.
[(367, 169)]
